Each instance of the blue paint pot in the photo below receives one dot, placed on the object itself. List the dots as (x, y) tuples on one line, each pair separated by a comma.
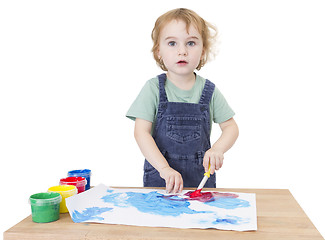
[(81, 173)]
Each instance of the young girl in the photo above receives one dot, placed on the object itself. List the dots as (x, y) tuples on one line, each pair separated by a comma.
[(174, 111)]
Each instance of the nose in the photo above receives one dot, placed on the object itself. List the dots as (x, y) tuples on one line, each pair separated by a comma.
[(182, 51)]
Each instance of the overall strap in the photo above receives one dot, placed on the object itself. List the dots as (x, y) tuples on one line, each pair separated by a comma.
[(162, 92), (207, 92)]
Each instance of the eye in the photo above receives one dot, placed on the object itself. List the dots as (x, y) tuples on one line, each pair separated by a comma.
[(172, 43), (191, 43)]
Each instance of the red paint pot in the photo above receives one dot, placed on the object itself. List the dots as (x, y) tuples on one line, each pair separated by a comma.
[(79, 182)]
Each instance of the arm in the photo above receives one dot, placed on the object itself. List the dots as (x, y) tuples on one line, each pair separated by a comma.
[(215, 154), (148, 147)]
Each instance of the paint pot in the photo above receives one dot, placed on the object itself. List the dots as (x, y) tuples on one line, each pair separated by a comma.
[(81, 173), (65, 191), (45, 206), (79, 182)]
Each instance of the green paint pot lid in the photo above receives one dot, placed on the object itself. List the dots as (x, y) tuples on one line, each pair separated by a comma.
[(44, 199)]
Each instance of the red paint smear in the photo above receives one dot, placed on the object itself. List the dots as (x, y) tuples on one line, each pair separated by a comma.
[(196, 193), (208, 196)]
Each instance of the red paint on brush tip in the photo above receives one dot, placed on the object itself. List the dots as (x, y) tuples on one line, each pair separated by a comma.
[(199, 196), (196, 193)]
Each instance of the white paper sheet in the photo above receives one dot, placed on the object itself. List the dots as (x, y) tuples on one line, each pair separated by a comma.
[(155, 208)]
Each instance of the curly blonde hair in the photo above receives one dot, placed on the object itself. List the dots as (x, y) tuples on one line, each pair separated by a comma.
[(189, 17)]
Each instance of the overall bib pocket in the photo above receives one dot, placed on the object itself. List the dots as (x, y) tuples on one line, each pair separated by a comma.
[(183, 129)]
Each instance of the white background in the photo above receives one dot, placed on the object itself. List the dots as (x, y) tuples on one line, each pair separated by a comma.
[(69, 70)]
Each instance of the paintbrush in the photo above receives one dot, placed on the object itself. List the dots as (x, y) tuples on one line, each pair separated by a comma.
[(197, 192)]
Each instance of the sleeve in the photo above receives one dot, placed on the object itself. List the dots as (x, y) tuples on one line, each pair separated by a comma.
[(146, 104), (220, 108)]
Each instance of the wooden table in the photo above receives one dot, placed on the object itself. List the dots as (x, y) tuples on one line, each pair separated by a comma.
[(279, 216)]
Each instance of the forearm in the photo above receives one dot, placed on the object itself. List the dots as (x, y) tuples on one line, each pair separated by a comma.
[(149, 149), (228, 136), (214, 156)]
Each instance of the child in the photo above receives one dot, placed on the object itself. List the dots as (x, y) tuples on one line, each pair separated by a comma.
[(174, 111)]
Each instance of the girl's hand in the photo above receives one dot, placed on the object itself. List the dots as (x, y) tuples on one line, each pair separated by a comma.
[(215, 158), (173, 179), (228, 137)]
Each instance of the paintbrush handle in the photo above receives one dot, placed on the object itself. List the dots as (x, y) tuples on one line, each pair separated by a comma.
[(205, 178), (202, 183)]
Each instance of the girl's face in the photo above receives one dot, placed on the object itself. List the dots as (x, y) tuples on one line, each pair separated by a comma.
[(179, 49)]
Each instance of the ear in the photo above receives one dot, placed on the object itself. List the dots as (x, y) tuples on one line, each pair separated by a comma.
[(203, 54), (158, 54)]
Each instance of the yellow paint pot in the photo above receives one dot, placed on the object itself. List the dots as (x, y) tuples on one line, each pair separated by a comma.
[(65, 191)]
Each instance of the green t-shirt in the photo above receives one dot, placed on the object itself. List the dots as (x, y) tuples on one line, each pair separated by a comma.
[(145, 106)]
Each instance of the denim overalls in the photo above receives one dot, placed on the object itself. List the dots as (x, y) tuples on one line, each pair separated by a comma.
[(182, 134)]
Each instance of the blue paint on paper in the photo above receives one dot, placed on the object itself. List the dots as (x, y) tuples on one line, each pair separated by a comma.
[(226, 220), (152, 202), (233, 220), (89, 214), (228, 203)]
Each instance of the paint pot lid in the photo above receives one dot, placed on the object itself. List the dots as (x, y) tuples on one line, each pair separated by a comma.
[(66, 189), (77, 181), (45, 198), (79, 173)]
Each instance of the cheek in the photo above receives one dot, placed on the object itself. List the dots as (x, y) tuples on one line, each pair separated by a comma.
[(162, 52), (198, 54), (166, 54)]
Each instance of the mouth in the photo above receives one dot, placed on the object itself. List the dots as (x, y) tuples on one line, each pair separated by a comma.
[(182, 62)]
